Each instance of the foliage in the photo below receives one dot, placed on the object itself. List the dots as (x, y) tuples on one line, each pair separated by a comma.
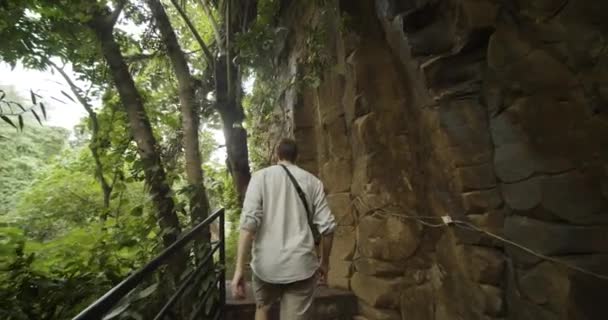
[(60, 246), (23, 153), (222, 194)]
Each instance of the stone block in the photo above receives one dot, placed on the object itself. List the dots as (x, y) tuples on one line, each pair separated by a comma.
[(387, 238), (506, 46), (494, 303), (476, 202), (554, 238), (337, 139), (485, 265), (418, 302), (337, 175), (304, 115), (478, 138), (492, 221), (575, 198), (545, 284), (506, 130), (339, 274), (307, 143), (372, 313), (464, 114), (330, 97), (374, 267), (531, 76), (338, 282), (341, 207), (514, 162), (377, 292), (523, 195), (479, 14), (475, 177), (365, 135), (467, 154), (344, 243)]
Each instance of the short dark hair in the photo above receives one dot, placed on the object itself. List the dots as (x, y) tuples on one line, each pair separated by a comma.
[(287, 150)]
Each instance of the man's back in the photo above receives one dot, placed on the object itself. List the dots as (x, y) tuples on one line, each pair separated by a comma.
[(283, 251)]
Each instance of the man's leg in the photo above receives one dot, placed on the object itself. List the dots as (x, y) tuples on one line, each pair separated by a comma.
[(262, 313), (265, 295), (297, 300)]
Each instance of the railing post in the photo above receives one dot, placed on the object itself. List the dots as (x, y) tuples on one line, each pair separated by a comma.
[(222, 276)]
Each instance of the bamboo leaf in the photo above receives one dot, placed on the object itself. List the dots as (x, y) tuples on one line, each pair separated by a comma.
[(43, 110), (33, 97), (2, 94), (68, 96), (36, 116), (7, 120), (20, 106), (20, 117), (58, 100)]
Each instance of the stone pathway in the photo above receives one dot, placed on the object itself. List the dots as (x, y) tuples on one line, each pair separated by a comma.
[(330, 304)]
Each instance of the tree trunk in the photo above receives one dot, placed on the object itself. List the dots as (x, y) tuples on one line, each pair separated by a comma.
[(229, 106), (106, 188), (199, 203), (141, 130)]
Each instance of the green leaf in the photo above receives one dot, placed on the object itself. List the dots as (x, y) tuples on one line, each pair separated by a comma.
[(147, 291), (137, 211), (2, 94), (20, 106), (116, 312), (33, 97), (7, 120), (43, 110), (20, 117), (59, 100), (68, 96), (36, 116)]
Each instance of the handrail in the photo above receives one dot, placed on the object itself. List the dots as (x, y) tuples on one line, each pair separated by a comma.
[(104, 304)]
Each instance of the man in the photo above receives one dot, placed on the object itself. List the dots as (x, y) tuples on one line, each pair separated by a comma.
[(275, 222)]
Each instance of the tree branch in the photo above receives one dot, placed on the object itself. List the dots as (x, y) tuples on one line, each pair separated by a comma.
[(197, 36), (214, 25), (73, 87), (116, 13)]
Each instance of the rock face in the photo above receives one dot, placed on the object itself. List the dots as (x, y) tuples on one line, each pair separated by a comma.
[(492, 112)]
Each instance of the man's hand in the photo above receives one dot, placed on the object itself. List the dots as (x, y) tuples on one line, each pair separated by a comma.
[(238, 285), (322, 274)]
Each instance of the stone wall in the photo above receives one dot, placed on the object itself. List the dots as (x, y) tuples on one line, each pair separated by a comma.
[(492, 112)]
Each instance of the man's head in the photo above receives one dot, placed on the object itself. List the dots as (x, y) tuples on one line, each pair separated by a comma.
[(287, 150)]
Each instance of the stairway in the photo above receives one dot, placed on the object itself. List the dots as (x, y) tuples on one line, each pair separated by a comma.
[(330, 304)]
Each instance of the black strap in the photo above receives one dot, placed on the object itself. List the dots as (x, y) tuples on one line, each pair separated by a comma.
[(302, 196)]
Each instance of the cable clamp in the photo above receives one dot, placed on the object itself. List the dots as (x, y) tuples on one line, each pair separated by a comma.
[(447, 220)]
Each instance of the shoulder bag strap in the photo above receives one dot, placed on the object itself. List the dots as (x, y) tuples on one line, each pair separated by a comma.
[(302, 196)]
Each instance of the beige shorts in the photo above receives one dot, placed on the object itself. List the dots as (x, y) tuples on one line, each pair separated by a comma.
[(296, 298)]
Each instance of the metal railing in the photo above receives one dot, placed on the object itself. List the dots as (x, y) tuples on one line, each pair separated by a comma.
[(203, 279)]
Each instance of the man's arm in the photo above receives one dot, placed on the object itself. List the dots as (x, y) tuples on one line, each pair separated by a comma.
[(324, 220), (326, 245), (251, 218)]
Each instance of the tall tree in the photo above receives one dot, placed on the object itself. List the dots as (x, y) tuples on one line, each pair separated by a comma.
[(237, 17), (102, 24), (94, 144), (199, 203)]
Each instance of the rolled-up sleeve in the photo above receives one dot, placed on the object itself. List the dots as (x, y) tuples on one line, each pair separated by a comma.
[(251, 216), (323, 218)]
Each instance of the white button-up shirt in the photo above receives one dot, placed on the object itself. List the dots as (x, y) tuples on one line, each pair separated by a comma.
[(283, 250)]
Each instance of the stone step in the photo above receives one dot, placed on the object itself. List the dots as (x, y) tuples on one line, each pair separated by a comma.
[(330, 304)]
